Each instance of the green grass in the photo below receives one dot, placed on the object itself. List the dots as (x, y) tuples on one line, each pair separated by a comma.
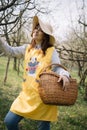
[(70, 118)]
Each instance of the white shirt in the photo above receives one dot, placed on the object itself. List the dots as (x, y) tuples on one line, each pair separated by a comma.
[(20, 51)]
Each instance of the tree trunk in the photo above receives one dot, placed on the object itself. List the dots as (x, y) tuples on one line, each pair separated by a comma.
[(85, 98), (15, 63), (82, 80), (18, 66), (6, 72)]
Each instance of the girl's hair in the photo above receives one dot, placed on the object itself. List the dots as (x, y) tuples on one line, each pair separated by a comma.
[(44, 45)]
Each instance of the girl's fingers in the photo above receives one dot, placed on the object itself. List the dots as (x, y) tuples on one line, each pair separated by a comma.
[(59, 79), (65, 82)]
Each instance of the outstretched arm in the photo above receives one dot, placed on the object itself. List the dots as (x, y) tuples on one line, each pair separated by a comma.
[(12, 51)]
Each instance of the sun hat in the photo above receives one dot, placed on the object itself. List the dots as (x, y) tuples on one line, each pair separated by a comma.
[(46, 28)]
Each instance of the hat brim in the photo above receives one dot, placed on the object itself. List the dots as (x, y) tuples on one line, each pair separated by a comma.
[(44, 28)]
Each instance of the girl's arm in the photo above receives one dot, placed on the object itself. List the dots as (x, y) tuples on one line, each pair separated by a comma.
[(58, 70), (12, 51)]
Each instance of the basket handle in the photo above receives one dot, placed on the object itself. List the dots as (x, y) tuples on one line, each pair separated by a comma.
[(59, 65)]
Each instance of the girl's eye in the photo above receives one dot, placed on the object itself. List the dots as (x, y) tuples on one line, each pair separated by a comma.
[(34, 30), (38, 29)]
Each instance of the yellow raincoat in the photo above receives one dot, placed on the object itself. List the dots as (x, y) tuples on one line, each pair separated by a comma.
[(29, 104)]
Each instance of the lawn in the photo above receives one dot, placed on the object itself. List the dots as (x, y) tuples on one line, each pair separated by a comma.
[(70, 118)]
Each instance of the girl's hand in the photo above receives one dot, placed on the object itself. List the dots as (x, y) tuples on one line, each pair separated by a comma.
[(65, 80)]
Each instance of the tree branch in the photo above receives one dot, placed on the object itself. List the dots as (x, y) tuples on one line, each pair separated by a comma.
[(12, 22), (2, 8), (79, 21)]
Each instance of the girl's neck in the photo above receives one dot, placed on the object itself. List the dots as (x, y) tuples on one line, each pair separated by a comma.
[(38, 42)]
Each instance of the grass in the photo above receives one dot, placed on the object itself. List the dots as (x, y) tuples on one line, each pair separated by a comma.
[(70, 118)]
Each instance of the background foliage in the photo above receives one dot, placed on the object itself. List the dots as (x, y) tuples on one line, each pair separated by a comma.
[(70, 118), (15, 24)]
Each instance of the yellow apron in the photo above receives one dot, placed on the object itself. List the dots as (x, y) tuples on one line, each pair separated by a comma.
[(29, 104)]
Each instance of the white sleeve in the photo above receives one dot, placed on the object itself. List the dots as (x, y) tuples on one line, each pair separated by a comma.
[(12, 51), (58, 70)]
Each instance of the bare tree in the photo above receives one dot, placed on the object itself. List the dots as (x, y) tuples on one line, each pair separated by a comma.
[(14, 15), (75, 48)]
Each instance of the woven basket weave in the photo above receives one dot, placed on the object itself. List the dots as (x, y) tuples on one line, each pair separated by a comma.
[(51, 91)]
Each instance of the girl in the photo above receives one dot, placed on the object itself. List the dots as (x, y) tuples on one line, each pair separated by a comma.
[(37, 55)]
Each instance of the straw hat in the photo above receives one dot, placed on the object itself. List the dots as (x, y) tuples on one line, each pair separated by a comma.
[(46, 28)]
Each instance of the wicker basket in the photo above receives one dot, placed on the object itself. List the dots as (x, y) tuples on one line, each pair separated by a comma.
[(51, 91)]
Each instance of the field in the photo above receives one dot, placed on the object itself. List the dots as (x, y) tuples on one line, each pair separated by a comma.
[(70, 118)]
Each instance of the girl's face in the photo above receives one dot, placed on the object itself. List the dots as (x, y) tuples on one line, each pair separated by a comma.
[(38, 34)]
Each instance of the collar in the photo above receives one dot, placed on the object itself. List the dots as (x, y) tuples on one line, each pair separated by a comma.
[(38, 46)]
